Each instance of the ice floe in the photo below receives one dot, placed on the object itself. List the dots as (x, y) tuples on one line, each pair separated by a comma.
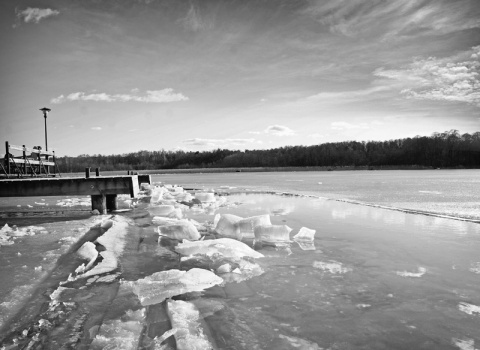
[(224, 246), (469, 308), (205, 197), (187, 326), (114, 242), (464, 344), (301, 344), (7, 233), (225, 225), (121, 333), (180, 229), (420, 273), (475, 268), (272, 233), (161, 285), (333, 267)]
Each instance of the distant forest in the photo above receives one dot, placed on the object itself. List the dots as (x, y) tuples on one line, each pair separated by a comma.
[(440, 150)]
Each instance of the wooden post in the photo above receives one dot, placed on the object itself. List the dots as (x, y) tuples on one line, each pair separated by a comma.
[(111, 202), (97, 171), (99, 202), (87, 173), (24, 160), (7, 155)]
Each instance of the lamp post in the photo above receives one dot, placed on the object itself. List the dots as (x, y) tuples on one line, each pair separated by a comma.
[(45, 111)]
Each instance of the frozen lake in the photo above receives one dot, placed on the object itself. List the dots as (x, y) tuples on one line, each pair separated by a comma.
[(371, 279)]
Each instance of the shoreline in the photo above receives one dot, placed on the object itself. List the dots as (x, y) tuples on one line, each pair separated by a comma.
[(262, 169)]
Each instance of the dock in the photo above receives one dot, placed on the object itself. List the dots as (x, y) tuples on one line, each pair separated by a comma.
[(102, 189)]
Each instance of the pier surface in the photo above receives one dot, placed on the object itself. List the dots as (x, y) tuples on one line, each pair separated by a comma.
[(102, 189)]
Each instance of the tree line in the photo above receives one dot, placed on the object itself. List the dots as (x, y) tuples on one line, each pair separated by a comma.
[(440, 150)]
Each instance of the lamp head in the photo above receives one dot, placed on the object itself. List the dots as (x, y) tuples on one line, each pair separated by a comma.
[(45, 111)]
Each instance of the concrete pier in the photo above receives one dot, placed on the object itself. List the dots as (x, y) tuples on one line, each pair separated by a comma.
[(102, 189)]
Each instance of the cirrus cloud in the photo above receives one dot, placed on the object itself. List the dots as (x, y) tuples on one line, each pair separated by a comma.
[(151, 96), (455, 78), (35, 15)]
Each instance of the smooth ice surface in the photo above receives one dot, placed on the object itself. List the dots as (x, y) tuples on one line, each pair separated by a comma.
[(185, 319), (224, 246), (157, 287)]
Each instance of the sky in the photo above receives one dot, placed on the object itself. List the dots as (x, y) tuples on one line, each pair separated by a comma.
[(127, 75)]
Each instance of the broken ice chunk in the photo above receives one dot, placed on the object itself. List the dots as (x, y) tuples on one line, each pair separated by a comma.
[(183, 229), (272, 233), (89, 252), (334, 267), (205, 197), (420, 273), (161, 210), (225, 225), (305, 234), (165, 284), (122, 333), (185, 319), (246, 226), (469, 308), (224, 246)]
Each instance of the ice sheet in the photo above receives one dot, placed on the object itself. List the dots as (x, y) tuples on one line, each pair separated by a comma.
[(165, 284), (121, 333), (185, 319), (224, 246)]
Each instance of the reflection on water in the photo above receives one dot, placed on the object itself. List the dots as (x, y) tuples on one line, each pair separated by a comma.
[(370, 279)]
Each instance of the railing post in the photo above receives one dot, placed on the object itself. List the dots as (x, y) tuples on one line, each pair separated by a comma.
[(87, 172), (24, 160), (97, 171), (7, 156)]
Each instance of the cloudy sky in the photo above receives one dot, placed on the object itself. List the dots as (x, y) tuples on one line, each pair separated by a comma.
[(125, 75)]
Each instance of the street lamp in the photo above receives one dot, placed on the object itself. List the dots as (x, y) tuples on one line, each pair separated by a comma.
[(45, 111)]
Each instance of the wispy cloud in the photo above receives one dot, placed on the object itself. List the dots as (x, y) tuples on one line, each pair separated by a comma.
[(34, 15), (194, 21), (347, 126), (279, 130), (350, 95), (151, 96), (454, 78), (96, 128), (394, 19), (218, 142)]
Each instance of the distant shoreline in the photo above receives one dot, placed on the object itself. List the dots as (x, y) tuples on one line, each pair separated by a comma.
[(260, 169)]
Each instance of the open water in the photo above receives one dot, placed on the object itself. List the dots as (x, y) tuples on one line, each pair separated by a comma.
[(372, 278)]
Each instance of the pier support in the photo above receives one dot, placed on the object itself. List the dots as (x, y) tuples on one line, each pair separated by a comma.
[(104, 203), (99, 203)]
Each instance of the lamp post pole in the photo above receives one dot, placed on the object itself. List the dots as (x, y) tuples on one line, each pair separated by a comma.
[(45, 111)]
